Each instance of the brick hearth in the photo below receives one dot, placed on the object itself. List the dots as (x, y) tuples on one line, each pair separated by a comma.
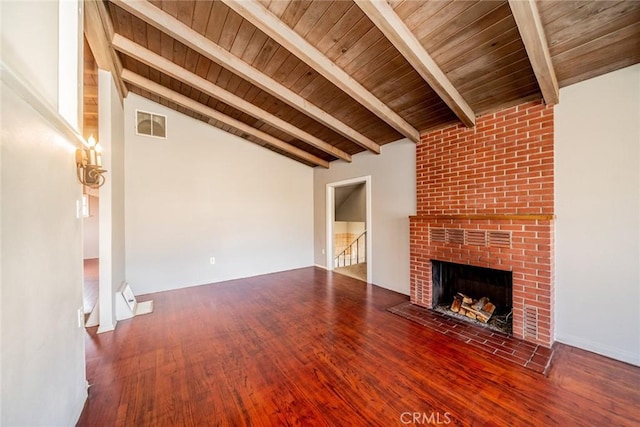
[(485, 198)]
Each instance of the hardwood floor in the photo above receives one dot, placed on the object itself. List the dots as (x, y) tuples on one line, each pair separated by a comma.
[(91, 280), (308, 347)]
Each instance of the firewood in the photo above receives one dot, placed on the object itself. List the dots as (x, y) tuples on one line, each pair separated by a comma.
[(471, 315), (465, 298), (489, 308), (483, 317), (480, 303), (455, 306), (462, 311), (467, 307)]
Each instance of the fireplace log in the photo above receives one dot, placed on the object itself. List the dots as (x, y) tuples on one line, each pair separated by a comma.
[(468, 307), (483, 316), (489, 308), (478, 305), (474, 313), (465, 298), (455, 306), (486, 312), (480, 310)]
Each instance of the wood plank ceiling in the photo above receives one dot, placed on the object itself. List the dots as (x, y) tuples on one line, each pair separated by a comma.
[(320, 80), (90, 94)]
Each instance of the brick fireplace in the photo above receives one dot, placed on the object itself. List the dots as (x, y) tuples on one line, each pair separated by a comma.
[(485, 198)]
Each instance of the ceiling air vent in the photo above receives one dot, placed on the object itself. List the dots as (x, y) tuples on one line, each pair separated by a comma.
[(438, 235), (151, 124)]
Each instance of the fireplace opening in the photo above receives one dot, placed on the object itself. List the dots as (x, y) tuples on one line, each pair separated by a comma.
[(479, 295)]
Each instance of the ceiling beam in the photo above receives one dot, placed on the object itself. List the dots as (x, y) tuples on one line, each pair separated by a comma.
[(90, 109), (197, 107), (166, 23), (525, 13), (395, 30), (98, 29), (90, 91), (169, 68), (268, 23)]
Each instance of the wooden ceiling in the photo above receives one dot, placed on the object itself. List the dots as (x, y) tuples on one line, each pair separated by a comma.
[(320, 80), (90, 94)]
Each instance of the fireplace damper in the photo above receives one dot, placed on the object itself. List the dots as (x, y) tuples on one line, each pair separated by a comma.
[(476, 282)]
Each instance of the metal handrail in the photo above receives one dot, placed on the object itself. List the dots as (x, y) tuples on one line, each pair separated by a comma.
[(347, 253)]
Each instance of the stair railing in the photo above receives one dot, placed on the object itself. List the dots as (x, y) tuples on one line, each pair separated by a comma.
[(358, 248)]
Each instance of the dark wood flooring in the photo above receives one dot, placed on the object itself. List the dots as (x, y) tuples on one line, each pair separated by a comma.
[(308, 347)]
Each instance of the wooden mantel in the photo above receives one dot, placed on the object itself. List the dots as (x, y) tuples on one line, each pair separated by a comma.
[(508, 217)]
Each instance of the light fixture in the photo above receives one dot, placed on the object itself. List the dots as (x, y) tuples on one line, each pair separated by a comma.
[(89, 164)]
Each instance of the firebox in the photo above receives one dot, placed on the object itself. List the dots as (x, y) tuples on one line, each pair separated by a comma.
[(475, 288)]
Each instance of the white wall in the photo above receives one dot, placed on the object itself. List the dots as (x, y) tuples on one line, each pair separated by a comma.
[(597, 137), (42, 345), (205, 193), (354, 207), (30, 44), (90, 235), (393, 199), (350, 227), (111, 226)]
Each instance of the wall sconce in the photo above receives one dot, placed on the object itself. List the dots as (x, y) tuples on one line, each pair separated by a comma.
[(89, 164)]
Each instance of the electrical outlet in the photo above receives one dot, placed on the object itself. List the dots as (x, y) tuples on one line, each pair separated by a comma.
[(212, 260)]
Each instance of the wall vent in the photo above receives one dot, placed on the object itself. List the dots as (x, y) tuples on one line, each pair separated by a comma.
[(151, 124), (438, 235), (499, 239), (477, 237), (455, 235), (530, 322)]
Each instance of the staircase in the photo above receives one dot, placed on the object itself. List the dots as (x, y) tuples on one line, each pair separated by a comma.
[(355, 253)]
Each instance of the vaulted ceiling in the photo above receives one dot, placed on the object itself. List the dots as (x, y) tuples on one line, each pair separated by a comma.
[(320, 80)]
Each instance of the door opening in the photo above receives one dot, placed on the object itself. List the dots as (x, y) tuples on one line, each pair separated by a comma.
[(349, 228)]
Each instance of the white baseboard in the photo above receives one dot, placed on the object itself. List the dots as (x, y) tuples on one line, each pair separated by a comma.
[(601, 349)]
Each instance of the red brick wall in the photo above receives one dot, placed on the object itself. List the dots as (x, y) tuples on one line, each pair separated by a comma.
[(502, 167)]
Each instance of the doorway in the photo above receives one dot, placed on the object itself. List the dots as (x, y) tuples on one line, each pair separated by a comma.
[(349, 228), (91, 221), (90, 236)]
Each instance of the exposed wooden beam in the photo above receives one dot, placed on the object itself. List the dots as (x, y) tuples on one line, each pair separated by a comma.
[(169, 68), (525, 13), (262, 18), (90, 110), (90, 91), (166, 23), (395, 30), (197, 107), (98, 30)]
